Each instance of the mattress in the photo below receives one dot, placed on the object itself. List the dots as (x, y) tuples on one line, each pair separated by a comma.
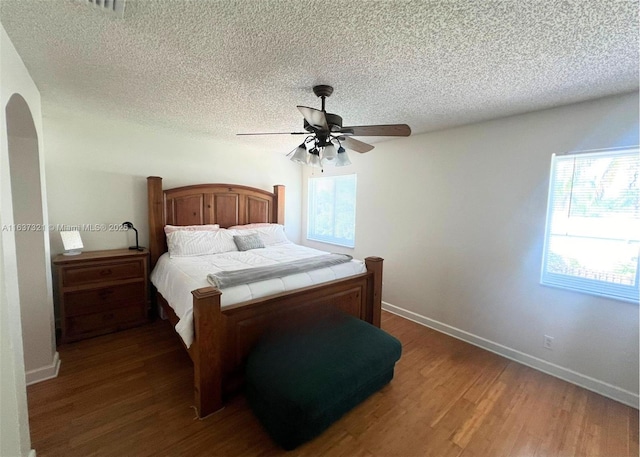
[(176, 277)]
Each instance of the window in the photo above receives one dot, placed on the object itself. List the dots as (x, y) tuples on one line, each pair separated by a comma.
[(332, 210), (593, 223)]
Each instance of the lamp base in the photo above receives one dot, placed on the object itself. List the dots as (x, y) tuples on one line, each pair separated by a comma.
[(72, 253), (136, 248)]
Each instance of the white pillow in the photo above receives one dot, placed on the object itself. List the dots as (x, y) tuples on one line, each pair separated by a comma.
[(272, 234), (187, 243), (174, 228)]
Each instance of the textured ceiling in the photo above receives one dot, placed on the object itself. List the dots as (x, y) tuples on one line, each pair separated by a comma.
[(224, 67)]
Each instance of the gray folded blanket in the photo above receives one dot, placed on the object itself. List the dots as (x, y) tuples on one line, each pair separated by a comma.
[(224, 279)]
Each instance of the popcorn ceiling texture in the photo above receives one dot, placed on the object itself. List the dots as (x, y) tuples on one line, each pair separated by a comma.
[(223, 67)]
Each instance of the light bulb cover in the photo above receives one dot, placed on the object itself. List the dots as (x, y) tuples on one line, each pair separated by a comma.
[(343, 159), (329, 152), (300, 155), (314, 158)]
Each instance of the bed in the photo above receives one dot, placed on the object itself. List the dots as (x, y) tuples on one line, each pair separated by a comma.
[(223, 336)]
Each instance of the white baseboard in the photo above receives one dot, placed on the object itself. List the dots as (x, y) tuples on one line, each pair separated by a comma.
[(589, 383), (44, 373)]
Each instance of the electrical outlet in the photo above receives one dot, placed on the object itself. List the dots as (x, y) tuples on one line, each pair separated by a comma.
[(548, 342)]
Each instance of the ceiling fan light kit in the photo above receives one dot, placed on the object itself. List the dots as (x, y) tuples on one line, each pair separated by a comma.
[(320, 156), (325, 131)]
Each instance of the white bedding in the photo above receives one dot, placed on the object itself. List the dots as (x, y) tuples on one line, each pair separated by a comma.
[(176, 277)]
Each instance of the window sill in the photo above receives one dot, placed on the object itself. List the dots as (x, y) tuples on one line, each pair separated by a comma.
[(333, 243), (593, 293)]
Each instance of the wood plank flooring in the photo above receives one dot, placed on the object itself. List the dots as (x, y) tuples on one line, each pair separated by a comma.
[(129, 394)]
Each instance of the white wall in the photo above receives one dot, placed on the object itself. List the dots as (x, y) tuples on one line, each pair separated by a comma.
[(97, 169), (459, 216), (14, 426)]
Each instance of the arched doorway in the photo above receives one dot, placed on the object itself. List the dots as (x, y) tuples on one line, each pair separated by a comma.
[(34, 282)]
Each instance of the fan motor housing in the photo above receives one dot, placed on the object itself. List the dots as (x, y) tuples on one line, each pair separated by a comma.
[(322, 90)]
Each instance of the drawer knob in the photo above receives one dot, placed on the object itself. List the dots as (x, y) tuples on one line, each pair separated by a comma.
[(105, 272), (104, 293)]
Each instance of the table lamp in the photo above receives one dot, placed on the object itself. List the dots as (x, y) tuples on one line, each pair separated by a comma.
[(129, 225)]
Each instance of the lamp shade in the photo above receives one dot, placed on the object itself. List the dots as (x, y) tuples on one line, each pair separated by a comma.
[(343, 159), (300, 155), (314, 158), (329, 152)]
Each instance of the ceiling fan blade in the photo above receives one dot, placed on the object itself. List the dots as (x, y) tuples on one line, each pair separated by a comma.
[(355, 145), (314, 117), (378, 130), (274, 133)]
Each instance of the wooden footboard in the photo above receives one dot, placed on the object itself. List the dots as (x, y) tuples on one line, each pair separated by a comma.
[(224, 337)]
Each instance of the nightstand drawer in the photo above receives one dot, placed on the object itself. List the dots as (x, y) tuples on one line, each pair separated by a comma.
[(114, 319), (77, 276), (101, 292), (94, 300)]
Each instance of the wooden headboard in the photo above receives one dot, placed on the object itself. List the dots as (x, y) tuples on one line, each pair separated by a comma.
[(223, 204)]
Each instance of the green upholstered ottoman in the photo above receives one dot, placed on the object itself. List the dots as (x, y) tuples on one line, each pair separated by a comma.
[(299, 382)]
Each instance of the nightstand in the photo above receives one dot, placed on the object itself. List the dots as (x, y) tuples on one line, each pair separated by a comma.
[(101, 292)]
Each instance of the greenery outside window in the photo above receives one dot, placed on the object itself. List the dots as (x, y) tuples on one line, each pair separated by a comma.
[(593, 223), (332, 210)]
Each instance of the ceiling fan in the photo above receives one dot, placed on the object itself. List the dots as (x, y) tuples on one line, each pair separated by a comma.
[(325, 131)]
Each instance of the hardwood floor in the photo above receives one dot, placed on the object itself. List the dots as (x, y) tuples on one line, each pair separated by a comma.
[(129, 394)]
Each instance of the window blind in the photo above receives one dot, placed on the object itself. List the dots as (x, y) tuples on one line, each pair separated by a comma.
[(332, 210), (592, 234)]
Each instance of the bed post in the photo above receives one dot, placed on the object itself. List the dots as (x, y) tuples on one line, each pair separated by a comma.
[(278, 207), (156, 218), (207, 358), (374, 265)]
